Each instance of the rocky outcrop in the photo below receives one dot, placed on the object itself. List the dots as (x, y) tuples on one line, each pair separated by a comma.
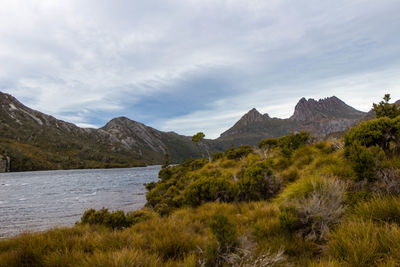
[(328, 108), (4, 163)]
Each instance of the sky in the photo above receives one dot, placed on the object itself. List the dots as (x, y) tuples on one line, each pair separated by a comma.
[(195, 65)]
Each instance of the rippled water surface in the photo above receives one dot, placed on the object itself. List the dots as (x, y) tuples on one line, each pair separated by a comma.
[(35, 201)]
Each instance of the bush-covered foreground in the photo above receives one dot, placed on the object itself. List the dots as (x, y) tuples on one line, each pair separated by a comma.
[(291, 202)]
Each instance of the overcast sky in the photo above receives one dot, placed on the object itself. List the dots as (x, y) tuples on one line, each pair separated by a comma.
[(188, 65)]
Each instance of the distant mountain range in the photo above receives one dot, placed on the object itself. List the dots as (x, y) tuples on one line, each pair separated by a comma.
[(36, 141)]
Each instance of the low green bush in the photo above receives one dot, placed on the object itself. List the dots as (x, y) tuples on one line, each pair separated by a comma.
[(365, 161), (115, 219), (207, 189), (288, 144), (290, 175), (224, 231), (258, 183), (216, 156), (238, 153)]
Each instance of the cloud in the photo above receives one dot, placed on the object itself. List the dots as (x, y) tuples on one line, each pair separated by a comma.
[(195, 65)]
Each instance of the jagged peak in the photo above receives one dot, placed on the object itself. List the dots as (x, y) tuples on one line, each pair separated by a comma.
[(330, 107), (253, 111), (252, 115)]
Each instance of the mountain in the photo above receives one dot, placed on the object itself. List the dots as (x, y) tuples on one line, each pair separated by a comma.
[(36, 141), (254, 126), (325, 116), (321, 118), (144, 139)]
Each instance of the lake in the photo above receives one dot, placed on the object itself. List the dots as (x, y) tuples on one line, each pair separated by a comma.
[(36, 201)]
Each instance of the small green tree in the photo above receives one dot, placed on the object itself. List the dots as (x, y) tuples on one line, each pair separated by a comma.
[(166, 159), (385, 109), (198, 140)]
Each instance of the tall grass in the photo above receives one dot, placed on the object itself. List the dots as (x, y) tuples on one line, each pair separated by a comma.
[(364, 243), (379, 209)]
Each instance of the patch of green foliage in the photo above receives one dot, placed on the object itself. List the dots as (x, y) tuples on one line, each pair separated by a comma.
[(367, 144), (238, 153), (385, 109), (287, 144), (115, 219)]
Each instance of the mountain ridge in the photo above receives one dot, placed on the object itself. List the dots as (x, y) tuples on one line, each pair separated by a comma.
[(37, 141), (320, 118)]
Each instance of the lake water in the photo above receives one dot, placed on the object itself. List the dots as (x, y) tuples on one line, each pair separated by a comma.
[(36, 201)]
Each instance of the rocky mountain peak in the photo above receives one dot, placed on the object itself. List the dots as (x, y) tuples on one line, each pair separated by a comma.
[(327, 108), (250, 118), (253, 116)]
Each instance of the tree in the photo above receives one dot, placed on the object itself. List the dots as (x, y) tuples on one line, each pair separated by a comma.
[(198, 140), (166, 159), (385, 109), (267, 145)]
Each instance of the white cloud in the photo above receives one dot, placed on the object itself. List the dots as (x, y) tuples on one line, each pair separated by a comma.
[(96, 59)]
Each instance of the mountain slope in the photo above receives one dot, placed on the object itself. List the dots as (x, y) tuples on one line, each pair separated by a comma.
[(36, 141)]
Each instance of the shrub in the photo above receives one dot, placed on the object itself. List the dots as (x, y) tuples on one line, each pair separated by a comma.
[(316, 202), (290, 175), (326, 147), (281, 163), (258, 183), (385, 109), (165, 174), (216, 156), (365, 161), (383, 132), (291, 142), (238, 153), (115, 220), (207, 189), (287, 144), (224, 231)]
